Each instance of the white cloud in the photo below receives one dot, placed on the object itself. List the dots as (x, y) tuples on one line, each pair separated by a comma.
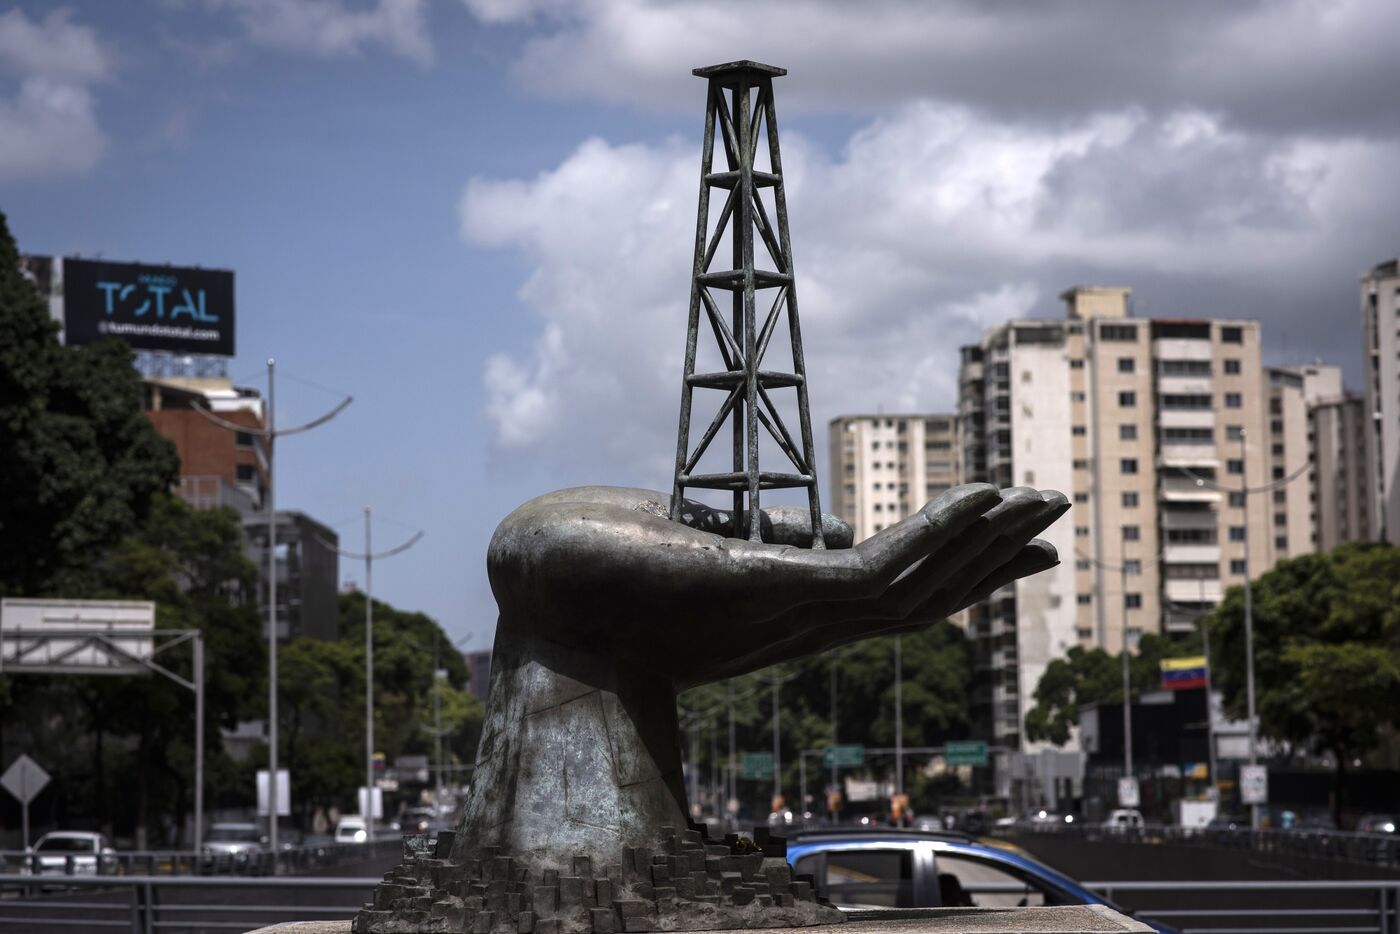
[(932, 224), (48, 116), (1279, 65), (329, 27)]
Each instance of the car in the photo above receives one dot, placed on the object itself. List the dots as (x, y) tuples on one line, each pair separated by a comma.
[(239, 842), (916, 869), (65, 852), (1123, 819), (1378, 823), (351, 829)]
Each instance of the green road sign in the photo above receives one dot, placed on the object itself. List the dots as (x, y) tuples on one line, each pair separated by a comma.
[(847, 757), (965, 752), (756, 765)]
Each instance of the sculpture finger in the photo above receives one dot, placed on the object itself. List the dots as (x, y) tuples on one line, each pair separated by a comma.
[(1035, 557), (890, 553), (1021, 515)]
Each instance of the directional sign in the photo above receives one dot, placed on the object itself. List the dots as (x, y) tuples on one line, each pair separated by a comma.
[(1254, 784), (756, 765), (24, 779), (965, 752), (847, 757)]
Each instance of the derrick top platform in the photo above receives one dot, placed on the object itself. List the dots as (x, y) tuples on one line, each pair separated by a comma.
[(739, 69)]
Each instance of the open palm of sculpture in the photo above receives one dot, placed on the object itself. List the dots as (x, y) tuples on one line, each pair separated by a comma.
[(608, 608)]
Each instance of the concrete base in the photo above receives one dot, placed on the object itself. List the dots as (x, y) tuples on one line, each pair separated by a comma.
[(1072, 919)]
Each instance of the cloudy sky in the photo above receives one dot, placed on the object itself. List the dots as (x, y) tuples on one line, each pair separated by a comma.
[(476, 215)]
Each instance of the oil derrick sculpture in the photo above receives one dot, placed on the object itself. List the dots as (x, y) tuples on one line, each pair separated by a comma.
[(613, 600), (740, 110)]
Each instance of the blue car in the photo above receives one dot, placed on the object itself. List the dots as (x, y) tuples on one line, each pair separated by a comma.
[(891, 868)]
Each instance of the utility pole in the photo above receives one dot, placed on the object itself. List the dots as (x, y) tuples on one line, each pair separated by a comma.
[(834, 783), (1210, 716), (270, 434), (369, 557), (898, 718), (777, 739), (732, 785), (1127, 681), (1245, 490)]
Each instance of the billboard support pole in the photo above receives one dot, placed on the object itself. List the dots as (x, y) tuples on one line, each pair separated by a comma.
[(198, 672), (270, 434)]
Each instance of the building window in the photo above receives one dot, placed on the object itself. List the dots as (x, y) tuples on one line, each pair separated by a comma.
[(245, 473), (1276, 450), (1131, 533), (1232, 367), (1078, 431), (1082, 564), (1081, 497), (1280, 496), (1235, 466), (1084, 634), (1133, 567), (1278, 473), (1234, 432), (242, 439), (1127, 399), (1237, 566), (1128, 465), (1130, 500), (879, 507), (1076, 397), (1132, 601), (1118, 332), (1076, 364), (1233, 400), (874, 446), (1236, 533), (1280, 518), (1081, 531), (1084, 599), (1080, 463), (1237, 500), (1232, 335), (1127, 432), (1126, 365), (1281, 543)]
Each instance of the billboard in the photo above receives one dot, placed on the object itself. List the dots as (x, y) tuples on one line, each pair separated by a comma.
[(43, 636), (178, 309)]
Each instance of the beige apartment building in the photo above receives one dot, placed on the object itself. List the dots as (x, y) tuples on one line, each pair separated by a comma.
[(1380, 313), (1153, 427), (885, 466)]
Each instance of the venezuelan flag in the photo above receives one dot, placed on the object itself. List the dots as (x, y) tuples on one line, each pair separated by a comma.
[(1180, 674)]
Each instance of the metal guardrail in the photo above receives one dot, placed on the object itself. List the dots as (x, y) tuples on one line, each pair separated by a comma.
[(1295, 906), (212, 905), (180, 904), (191, 863), (1374, 849)]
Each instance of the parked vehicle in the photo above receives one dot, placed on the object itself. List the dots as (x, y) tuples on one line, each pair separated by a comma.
[(894, 868), (1123, 819), (1378, 823), (63, 852), (351, 829), (238, 842)]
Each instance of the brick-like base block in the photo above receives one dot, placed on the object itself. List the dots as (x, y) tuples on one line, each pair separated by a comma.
[(688, 883)]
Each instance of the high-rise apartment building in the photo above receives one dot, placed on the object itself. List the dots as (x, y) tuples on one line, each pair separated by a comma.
[(1146, 425), (1343, 507), (884, 467), (1380, 314)]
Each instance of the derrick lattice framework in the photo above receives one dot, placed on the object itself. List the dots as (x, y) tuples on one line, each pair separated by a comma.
[(740, 110)]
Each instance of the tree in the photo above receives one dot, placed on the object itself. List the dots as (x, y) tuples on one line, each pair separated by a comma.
[(1093, 676), (82, 464), (1326, 652)]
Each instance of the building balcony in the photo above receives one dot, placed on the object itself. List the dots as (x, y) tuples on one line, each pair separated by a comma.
[(1184, 490), (1192, 591), (1181, 348), (1184, 385), (1191, 554), (1186, 418), (1188, 455)]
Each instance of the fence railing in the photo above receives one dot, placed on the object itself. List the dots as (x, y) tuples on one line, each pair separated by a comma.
[(1375, 849), (258, 862), (178, 904), (1292, 905)]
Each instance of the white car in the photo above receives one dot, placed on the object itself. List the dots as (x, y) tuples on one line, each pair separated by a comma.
[(1123, 819), (237, 841), (351, 830), (69, 851)]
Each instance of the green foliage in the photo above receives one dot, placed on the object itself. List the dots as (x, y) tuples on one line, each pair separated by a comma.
[(1326, 649), (1093, 676), (936, 690), (82, 464)]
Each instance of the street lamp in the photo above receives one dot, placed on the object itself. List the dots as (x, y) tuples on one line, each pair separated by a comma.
[(270, 434)]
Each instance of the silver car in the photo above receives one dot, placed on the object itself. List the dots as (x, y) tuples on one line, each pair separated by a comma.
[(70, 852)]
